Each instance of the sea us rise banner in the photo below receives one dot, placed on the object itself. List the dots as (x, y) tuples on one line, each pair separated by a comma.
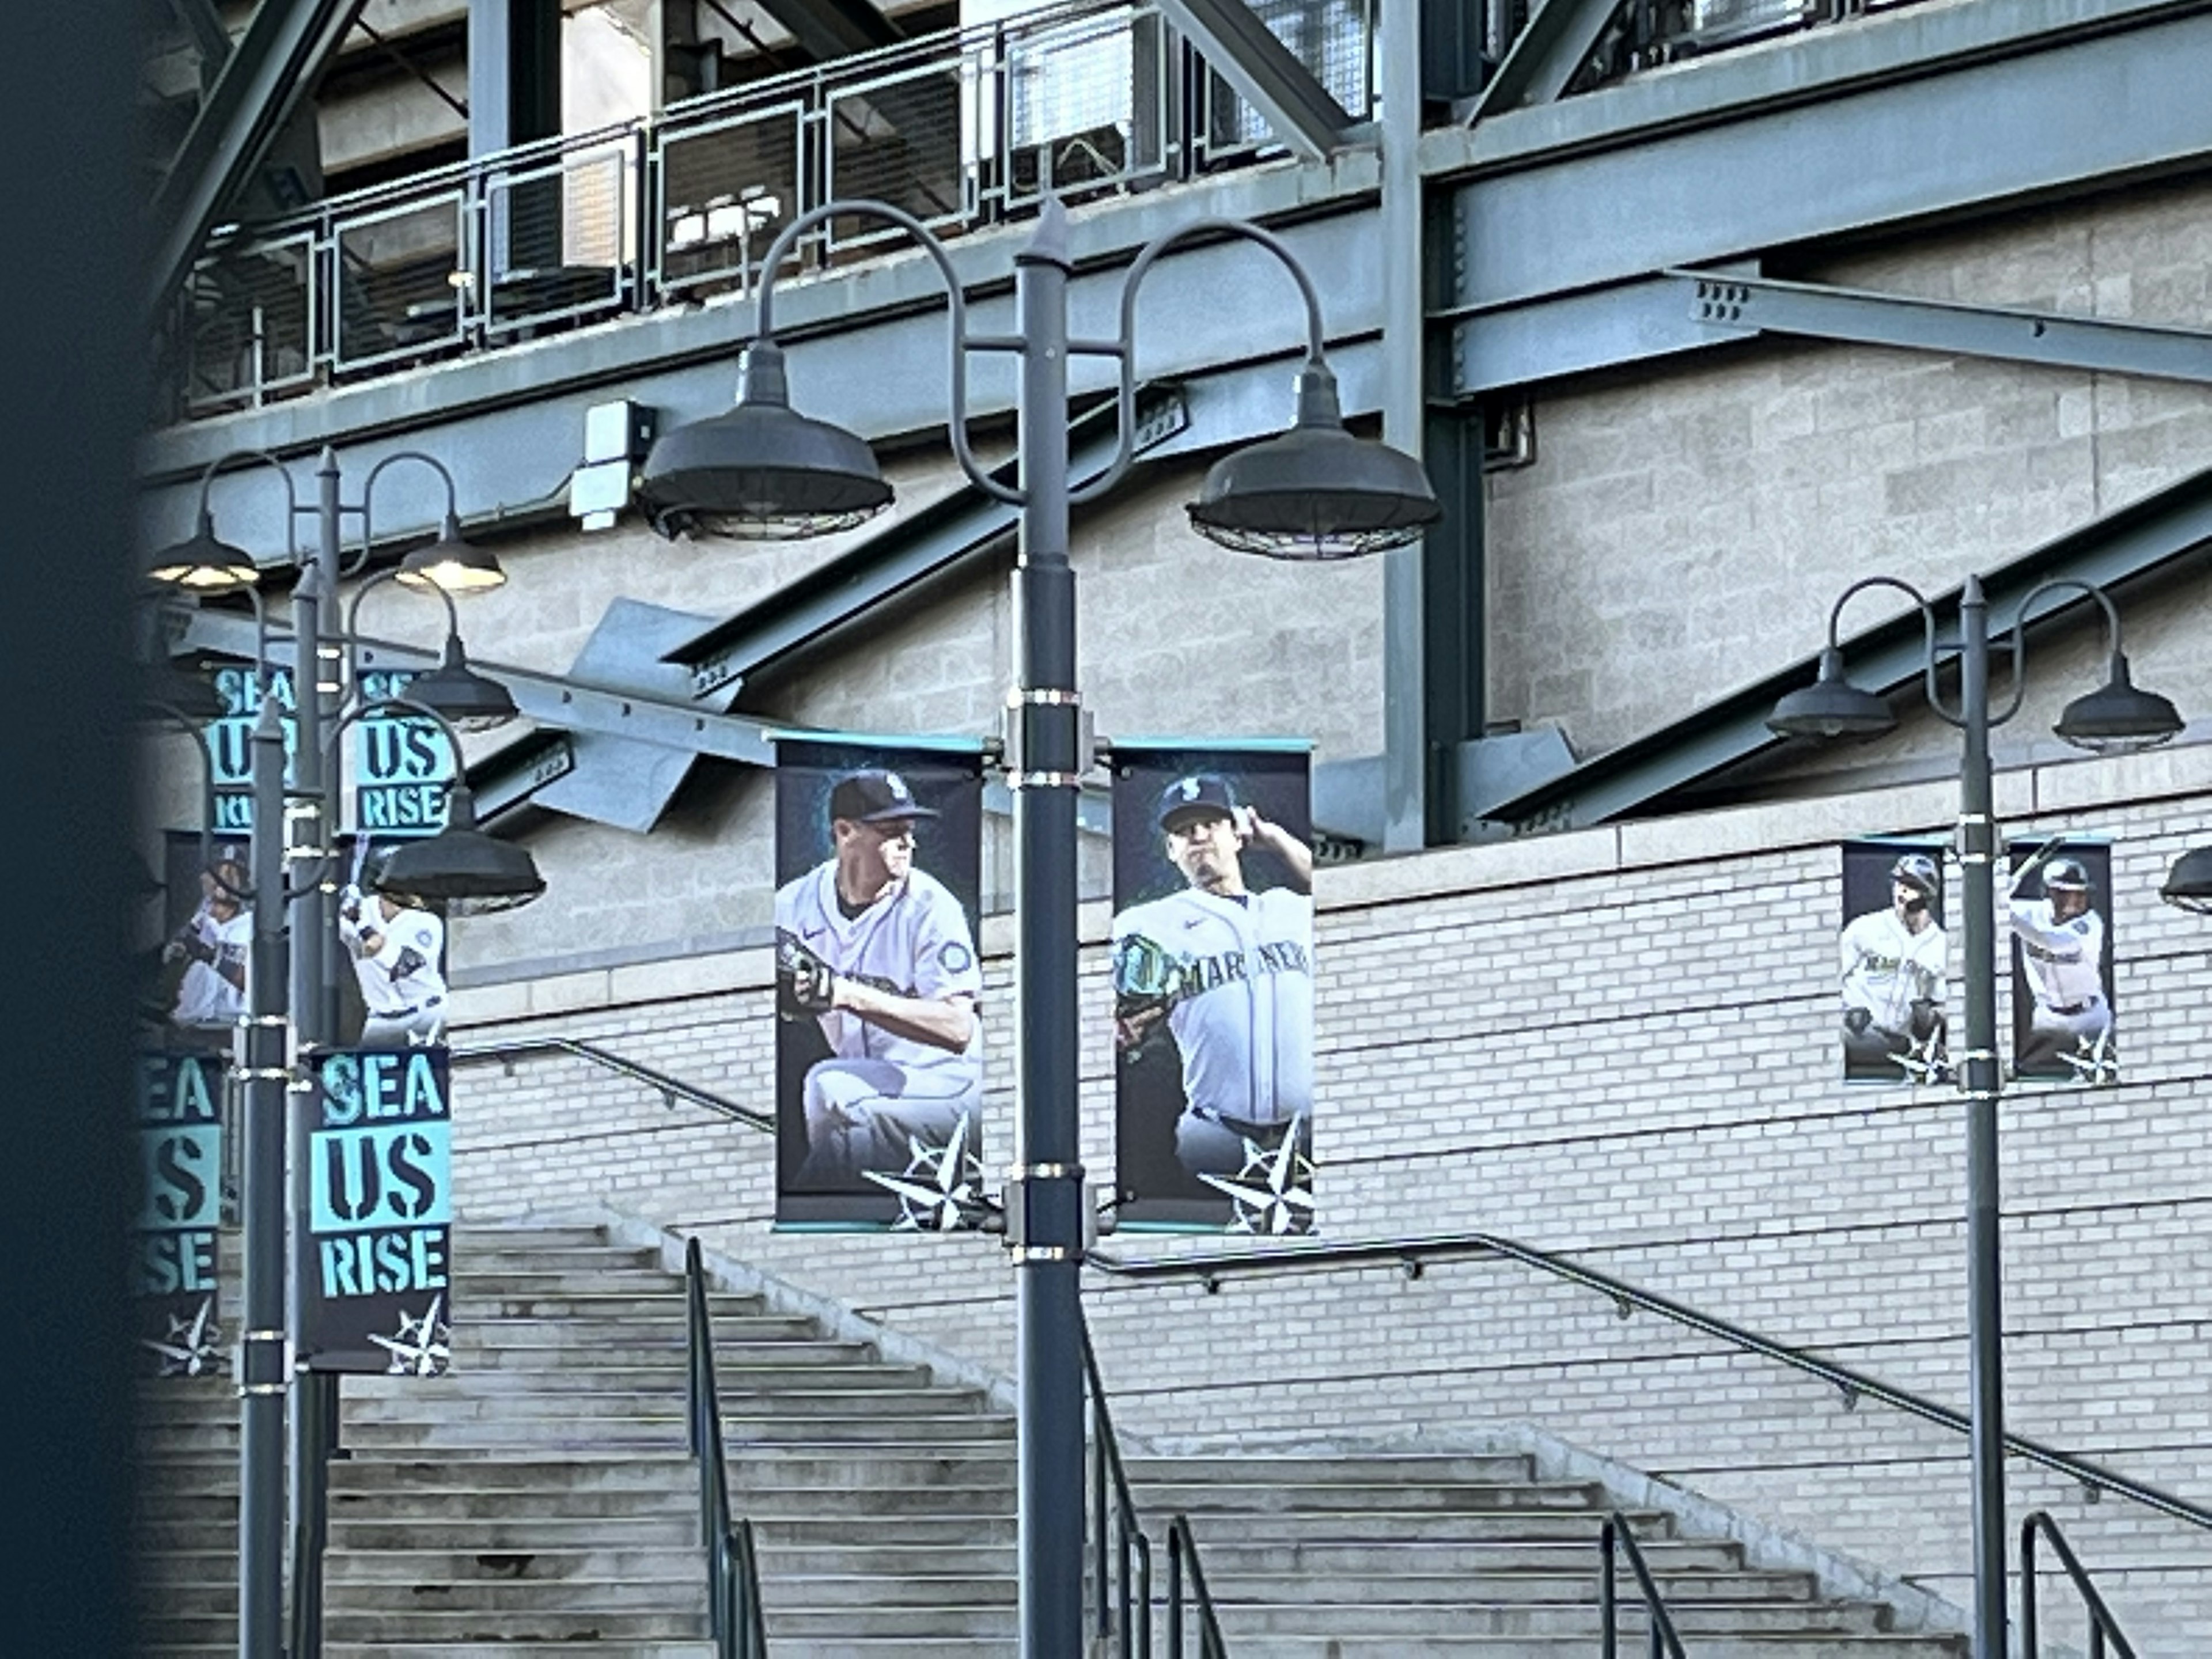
[(374, 1257), (179, 1130)]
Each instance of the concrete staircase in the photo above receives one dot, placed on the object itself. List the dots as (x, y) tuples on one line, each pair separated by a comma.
[(540, 1501)]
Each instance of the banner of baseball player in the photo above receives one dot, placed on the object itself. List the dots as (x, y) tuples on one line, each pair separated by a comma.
[(194, 987), (395, 942), (1213, 977), (179, 1121), (2057, 904), (1894, 963), (878, 988), (372, 1268)]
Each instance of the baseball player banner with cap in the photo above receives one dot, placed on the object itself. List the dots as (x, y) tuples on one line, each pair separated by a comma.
[(195, 979), (880, 1029), (395, 943), (374, 1264), (2058, 906), (402, 765), (178, 1119), (1893, 963), (1212, 967)]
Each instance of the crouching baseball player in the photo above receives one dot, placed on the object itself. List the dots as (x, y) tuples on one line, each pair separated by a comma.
[(880, 954)]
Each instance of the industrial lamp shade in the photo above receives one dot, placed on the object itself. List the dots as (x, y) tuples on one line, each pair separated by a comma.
[(1832, 707), (2117, 718), (450, 563), (461, 867), (472, 702), (2189, 883), (203, 564), (1317, 492), (762, 472)]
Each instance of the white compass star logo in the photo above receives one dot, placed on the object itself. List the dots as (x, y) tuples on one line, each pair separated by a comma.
[(1925, 1062), (422, 1347), (937, 1189), (2094, 1062), (1273, 1191), (190, 1349)]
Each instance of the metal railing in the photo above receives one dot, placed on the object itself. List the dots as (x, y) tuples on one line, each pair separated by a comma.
[(1646, 33), (1613, 1538), (671, 1088), (964, 129), (1125, 1597), (1410, 1254), (733, 1594), (2103, 1627), (1182, 1552)]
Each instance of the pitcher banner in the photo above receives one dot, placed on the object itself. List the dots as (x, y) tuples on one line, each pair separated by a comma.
[(2057, 904), (881, 1028), (1893, 963), (178, 1125), (374, 1136), (1212, 975)]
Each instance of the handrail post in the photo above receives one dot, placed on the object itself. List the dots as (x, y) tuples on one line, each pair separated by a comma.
[(1608, 1595), (2029, 1645)]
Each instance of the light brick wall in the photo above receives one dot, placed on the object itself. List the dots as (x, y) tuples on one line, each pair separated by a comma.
[(1619, 1045)]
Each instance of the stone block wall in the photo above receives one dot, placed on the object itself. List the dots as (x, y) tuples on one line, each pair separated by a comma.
[(1618, 1045)]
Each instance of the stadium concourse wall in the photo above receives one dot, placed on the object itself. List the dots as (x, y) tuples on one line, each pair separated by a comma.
[(1619, 1044)]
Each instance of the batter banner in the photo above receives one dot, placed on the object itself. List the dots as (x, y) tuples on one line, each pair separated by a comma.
[(192, 982), (1893, 963), (402, 765), (880, 1028), (373, 1268), (1213, 986), (395, 943), (178, 1125), (2058, 906)]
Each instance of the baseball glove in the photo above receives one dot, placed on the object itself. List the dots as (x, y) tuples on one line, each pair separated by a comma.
[(1146, 977), (804, 984)]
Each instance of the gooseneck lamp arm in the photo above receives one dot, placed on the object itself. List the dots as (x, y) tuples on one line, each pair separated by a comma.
[(1834, 652), (1124, 348), (2016, 636), (261, 457), (449, 530), (764, 335), (353, 608)]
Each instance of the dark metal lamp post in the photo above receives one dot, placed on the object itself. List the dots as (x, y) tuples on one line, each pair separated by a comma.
[(2115, 717), (763, 470), (290, 982)]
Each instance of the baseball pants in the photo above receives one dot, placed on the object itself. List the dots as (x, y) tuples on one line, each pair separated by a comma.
[(868, 1113)]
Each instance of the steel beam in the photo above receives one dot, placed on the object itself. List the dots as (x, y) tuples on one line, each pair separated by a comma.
[(1754, 306), (2173, 524), (1240, 49), (1574, 333), (940, 535), (1554, 207), (1544, 56), (834, 28), (273, 66)]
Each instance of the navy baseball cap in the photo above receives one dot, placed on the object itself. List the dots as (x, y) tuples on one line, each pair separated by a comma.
[(876, 797), (1202, 793)]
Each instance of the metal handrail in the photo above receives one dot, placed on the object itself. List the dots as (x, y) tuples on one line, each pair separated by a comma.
[(1614, 1535), (2102, 1626), (1132, 1601), (1410, 1254), (672, 1089), (1183, 1547), (733, 1598)]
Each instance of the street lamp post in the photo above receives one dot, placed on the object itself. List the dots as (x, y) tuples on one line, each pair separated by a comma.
[(2115, 717), (292, 976), (1317, 492)]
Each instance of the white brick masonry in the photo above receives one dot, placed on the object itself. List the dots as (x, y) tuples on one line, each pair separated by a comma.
[(1617, 1044)]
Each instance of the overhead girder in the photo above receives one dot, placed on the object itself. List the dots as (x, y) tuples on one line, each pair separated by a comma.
[(272, 67), (1822, 136), (1244, 52), (2168, 526), (834, 28), (1552, 45)]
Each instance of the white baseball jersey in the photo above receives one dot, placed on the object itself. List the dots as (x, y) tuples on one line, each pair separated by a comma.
[(1244, 1017), (405, 972), (204, 997), (1887, 968), (913, 940), (2065, 959)]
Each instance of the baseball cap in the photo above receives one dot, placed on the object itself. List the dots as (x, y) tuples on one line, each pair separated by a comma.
[(1201, 792), (872, 797)]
